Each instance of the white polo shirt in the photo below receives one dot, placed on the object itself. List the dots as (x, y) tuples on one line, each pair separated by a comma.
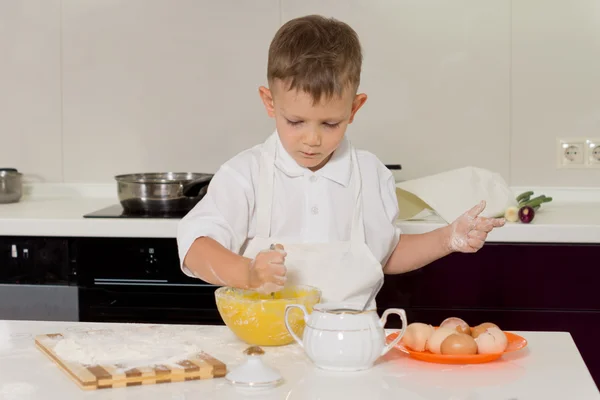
[(307, 206)]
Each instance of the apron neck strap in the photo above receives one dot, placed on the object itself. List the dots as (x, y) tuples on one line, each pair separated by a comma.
[(264, 197), (358, 227)]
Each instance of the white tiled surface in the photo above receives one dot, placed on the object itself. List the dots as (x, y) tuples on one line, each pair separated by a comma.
[(555, 85), (437, 76), (162, 85), (172, 85), (30, 118), (550, 367)]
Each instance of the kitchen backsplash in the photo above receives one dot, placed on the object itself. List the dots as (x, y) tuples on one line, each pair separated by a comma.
[(94, 88)]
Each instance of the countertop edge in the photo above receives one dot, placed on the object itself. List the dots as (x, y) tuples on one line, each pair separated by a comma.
[(161, 228), (57, 210)]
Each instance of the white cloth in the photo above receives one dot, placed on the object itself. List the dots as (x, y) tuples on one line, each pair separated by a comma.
[(454, 192), (344, 270), (307, 207)]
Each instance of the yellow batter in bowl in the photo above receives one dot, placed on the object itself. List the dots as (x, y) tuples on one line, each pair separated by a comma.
[(258, 319)]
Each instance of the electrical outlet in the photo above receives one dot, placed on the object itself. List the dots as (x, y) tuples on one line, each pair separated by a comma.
[(571, 153), (592, 153)]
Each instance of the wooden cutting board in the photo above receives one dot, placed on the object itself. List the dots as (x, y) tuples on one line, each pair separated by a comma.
[(200, 366)]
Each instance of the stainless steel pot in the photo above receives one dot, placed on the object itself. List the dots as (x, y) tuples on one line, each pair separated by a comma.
[(161, 192), (11, 185)]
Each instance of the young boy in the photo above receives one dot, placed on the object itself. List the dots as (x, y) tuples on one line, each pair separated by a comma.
[(329, 208)]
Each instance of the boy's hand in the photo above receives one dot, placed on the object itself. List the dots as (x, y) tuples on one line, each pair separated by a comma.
[(469, 231), (267, 270)]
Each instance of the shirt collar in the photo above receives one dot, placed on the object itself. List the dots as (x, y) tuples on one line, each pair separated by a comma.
[(337, 169)]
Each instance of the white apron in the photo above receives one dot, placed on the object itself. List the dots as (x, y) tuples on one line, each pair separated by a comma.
[(344, 271)]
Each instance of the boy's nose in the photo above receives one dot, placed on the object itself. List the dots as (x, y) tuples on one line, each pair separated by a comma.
[(312, 138)]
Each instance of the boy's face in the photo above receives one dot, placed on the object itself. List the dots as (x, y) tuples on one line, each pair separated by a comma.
[(309, 132)]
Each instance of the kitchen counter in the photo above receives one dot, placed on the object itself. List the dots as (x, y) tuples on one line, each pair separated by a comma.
[(549, 368), (57, 210)]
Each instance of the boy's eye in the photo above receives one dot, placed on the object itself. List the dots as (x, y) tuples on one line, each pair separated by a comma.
[(327, 124)]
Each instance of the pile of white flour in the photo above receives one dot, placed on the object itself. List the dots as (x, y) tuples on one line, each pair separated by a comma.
[(131, 347)]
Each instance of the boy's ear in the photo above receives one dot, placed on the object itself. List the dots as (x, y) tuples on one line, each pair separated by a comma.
[(267, 99), (358, 102)]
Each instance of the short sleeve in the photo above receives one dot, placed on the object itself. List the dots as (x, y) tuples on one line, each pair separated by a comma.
[(223, 214), (390, 205), (389, 198)]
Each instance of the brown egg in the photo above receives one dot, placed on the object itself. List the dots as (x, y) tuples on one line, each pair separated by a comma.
[(458, 343), (435, 340), (479, 329)]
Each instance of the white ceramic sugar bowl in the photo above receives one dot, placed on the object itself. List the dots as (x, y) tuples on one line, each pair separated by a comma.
[(340, 338)]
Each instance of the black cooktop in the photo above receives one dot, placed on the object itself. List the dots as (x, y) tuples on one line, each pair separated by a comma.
[(117, 211)]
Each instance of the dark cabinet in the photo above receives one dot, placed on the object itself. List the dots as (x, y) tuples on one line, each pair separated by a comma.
[(37, 279), (525, 286), (35, 261)]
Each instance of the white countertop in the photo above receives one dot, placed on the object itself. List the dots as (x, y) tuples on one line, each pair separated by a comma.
[(57, 210), (549, 368)]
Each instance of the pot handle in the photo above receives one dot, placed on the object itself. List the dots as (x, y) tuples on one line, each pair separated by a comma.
[(193, 188), (287, 325), (402, 314)]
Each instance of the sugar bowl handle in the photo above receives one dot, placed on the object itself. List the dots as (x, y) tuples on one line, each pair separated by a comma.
[(287, 324), (402, 314)]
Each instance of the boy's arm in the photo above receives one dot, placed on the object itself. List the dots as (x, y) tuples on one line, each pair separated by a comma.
[(467, 234), (415, 251), (217, 265), (210, 236), (208, 260)]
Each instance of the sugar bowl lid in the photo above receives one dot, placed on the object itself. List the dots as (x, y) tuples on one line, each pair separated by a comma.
[(253, 373)]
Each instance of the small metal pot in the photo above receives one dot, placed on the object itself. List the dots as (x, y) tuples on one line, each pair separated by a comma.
[(11, 185), (161, 192)]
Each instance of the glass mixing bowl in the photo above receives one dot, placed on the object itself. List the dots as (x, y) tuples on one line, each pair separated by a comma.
[(258, 319)]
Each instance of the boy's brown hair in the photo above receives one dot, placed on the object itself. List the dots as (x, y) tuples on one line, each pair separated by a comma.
[(317, 55)]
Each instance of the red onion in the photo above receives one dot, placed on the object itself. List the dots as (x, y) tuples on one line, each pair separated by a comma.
[(526, 214)]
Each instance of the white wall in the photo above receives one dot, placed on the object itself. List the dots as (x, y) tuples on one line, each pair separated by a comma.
[(94, 88)]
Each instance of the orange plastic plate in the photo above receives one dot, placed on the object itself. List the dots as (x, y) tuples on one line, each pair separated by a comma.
[(515, 343)]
